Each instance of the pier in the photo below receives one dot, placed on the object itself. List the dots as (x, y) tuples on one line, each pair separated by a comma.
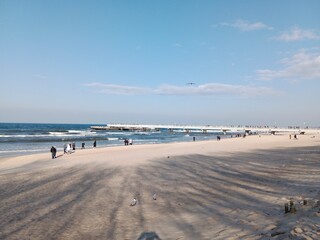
[(206, 129)]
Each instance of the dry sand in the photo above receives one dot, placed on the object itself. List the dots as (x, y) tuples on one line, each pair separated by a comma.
[(232, 189)]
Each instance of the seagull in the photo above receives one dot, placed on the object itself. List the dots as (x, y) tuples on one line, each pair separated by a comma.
[(154, 196), (133, 202), (190, 83)]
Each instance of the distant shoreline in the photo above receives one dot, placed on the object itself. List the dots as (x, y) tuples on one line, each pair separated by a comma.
[(36, 152), (21, 154)]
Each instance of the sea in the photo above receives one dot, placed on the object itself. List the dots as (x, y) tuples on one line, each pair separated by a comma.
[(29, 138)]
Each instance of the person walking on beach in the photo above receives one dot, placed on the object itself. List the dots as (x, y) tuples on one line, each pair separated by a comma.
[(82, 145), (65, 148), (95, 143), (53, 151), (73, 146), (130, 141), (68, 149)]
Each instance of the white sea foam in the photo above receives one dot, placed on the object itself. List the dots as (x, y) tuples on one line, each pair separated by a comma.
[(74, 131), (85, 133), (7, 136), (58, 133), (119, 133), (113, 139), (22, 136), (142, 133), (71, 133)]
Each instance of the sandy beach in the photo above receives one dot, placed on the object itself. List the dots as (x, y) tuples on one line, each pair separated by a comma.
[(229, 189)]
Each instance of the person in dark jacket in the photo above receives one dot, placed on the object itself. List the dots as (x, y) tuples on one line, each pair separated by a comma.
[(53, 151)]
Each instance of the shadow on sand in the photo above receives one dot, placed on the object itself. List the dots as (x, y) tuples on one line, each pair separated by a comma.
[(198, 197)]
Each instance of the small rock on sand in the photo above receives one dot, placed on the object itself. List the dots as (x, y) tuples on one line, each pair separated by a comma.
[(298, 230)]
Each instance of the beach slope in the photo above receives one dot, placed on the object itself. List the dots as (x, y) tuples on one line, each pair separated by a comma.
[(230, 189)]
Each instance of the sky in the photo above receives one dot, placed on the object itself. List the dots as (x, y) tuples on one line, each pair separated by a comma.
[(160, 62)]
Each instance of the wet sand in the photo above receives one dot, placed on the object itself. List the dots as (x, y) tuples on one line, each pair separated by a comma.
[(232, 189)]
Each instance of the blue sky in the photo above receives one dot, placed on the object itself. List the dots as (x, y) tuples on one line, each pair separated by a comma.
[(252, 62)]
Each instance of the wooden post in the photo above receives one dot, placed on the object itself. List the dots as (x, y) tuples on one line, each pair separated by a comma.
[(292, 207), (291, 204), (286, 208)]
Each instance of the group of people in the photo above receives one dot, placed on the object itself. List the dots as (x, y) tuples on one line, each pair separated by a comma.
[(127, 141), (69, 148)]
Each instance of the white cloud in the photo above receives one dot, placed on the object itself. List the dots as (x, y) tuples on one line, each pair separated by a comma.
[(215, 89), (200, 90), (297, 34), (177, 45), (300, 66), (119, 89), (246, 26)]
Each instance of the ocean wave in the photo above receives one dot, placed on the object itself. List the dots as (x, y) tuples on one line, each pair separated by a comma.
[(112, 139), (58, 133), (60, 138), (22, 136), (74, 131), (86, 132), (8, 136), (119, 133), (142, 133)]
